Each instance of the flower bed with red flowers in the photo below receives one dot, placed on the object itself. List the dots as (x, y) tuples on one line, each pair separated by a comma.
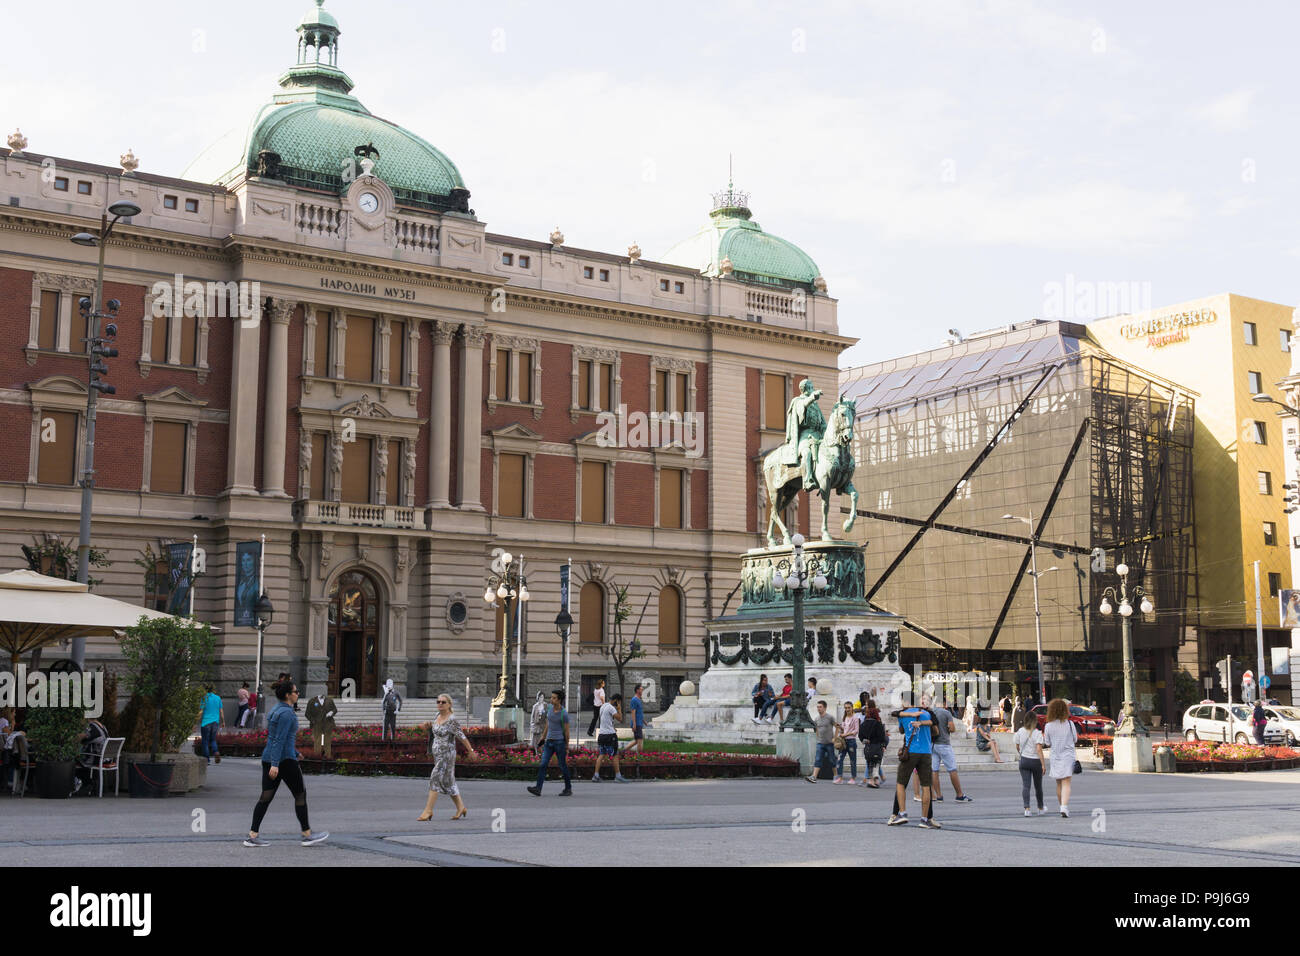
[(360, 742), (520, 763), (1205, 756)]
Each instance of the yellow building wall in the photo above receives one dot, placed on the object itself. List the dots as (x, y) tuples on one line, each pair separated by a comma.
[(1212, 359)]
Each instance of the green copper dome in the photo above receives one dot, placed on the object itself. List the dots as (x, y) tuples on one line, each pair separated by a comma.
[(309, 135), (732, 239)]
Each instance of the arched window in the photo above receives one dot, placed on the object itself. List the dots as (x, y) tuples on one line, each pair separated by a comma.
[(670, 617), (591, 614)]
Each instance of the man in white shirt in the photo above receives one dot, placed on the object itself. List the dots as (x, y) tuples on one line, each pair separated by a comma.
[(607, 739)]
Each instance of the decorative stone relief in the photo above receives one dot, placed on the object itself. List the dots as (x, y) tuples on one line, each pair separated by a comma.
[(128, 162), (633, 252), (17, 142), (557, 237), (401, 561), (474, 336)]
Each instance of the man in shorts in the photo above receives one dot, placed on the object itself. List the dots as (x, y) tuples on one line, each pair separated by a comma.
[(637, 709), (942, 756), (607, 738), (915, 725)]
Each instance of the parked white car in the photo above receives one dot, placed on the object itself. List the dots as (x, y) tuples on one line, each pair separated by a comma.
[(1283, 722), (1213, 722)]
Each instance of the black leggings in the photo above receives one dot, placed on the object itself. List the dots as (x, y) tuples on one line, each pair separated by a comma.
[(292, 778), (1031, 770)]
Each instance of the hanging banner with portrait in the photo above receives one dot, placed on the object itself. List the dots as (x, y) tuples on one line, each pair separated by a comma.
[(248, 560), (180, 577), (1289, 607)]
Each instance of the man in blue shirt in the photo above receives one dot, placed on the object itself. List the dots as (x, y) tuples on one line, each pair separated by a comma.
[(637, 707), (211, 718), (557, 744), (915, 724)]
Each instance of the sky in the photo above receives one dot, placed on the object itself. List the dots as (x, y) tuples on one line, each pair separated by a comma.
[(948, 165)]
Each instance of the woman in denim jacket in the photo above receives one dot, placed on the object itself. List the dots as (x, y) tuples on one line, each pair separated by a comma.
[(280, 762)]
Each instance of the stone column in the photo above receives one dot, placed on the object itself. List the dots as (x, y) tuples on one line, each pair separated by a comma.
[(440, 418), (277, 399), (471, 416), (241, 455)]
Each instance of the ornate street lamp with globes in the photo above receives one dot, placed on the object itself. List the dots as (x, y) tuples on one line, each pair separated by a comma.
[(507, 585), (798, 573), (1132, 741)]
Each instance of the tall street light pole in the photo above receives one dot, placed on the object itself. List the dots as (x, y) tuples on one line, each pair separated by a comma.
[(95, 349), (1038, 614), (798, 574), (507, 585), (1132, 741)]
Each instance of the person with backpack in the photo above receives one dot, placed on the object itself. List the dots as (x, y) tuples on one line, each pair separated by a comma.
[(874, 741), (915, 724), (392, 704), (1259, 720)]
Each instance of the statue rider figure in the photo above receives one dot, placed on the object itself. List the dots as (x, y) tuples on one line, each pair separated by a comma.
[(804, 427)]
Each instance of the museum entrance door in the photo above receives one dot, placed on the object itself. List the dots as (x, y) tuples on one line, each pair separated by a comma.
[(353, 641)]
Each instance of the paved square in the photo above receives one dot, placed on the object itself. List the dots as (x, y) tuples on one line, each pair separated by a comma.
[(1194, 820)]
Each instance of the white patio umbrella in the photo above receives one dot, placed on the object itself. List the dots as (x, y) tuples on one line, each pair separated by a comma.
[(36, 610)]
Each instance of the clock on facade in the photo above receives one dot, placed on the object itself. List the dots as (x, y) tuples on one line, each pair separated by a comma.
[(368, 202)]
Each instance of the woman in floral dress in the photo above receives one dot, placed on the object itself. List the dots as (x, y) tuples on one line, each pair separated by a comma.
[(443, 733)]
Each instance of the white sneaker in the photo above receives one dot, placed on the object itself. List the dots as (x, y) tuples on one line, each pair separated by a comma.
[(1065, 812), (767, 720), (755, 720), (838, 780), (1028, 814), (917, 799)]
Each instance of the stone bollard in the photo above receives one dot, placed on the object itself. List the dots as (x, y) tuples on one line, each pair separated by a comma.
[(1165, 760)]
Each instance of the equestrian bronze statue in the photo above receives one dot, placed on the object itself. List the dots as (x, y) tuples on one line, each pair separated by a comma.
[(817, 456)]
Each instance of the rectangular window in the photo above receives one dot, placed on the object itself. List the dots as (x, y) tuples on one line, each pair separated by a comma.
[(510, 486), (396, 349), (1248, 329), (523, 262), (393, 477), (83, 187), (670, 497), (191, 205), (679, 288), (56, 462), (1270, 533), (587, 272), (774, 402), (169, 202), (682, 382), (47, 334), (324, 332), (661, 391), (503, 374), (1285, 336), (167, 459), (1274, 583), (61, 183), (1265, 482), (359, 360), (663, 285), (319, 450), (189, 340), (604, 275), (1261, 433), (507, 259), (158, 339), (606, 385), (593, 492), (584, 384), (1255, 382), (357, 456), (525, 377)]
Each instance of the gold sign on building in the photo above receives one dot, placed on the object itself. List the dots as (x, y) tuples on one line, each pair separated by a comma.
[(1162, 330)]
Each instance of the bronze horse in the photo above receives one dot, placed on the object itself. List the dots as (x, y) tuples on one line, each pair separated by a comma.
[(833, 473)]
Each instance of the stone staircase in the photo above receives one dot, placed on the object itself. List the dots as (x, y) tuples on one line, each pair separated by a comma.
[(415, 711)]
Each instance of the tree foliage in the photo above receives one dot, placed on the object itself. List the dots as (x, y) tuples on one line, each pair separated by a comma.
[(168, 661)]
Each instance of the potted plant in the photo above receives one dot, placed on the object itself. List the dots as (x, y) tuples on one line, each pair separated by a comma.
[(168, 660), (54, 733)]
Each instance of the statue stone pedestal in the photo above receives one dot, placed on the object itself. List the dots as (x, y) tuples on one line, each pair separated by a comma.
[(847, 646)]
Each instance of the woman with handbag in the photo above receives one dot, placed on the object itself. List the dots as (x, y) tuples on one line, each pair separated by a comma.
[(1059, 735), (874, 740), (846, 742), (443, 734)]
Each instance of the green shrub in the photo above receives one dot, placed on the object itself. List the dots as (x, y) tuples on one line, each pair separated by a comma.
[(179, 718), (55, 732), (168, 660)]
